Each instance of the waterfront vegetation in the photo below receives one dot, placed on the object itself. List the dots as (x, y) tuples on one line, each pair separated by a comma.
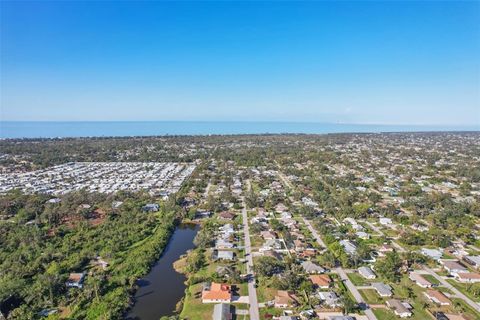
[(43, 243)]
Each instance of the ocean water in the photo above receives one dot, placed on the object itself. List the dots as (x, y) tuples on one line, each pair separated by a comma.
[(60, 129)]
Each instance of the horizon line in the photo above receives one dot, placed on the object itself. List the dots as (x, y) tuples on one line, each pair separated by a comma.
[(253, 121)]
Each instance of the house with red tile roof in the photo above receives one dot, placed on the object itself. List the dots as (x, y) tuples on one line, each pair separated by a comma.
[(216, 293)]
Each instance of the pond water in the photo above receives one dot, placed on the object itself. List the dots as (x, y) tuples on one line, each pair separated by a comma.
[(163, 287)]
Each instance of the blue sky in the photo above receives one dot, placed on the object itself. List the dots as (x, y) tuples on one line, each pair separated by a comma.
[(356, 62)]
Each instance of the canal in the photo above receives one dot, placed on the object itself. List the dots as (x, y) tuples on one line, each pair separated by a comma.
[(163, 287)]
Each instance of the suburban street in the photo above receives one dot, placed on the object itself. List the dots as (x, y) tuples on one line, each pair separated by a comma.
[(252, 292), (375, 228), (314, 233), (472, 303), (358, 297), (340, 271), (380, 232)]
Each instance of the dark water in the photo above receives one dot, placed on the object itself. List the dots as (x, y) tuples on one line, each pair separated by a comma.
[(163, 287), (52, 129)]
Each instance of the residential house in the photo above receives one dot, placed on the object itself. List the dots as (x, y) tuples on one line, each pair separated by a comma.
[(224, 255), (348, 246), (349, 220), (308, 253), (286, 216), (311, 267), (385, 221), (419, 280), (385, 248), (330, 298), (225, 215), (367, 272), (437, 297), (453, 266), (216, 292), (116, 204), (432, 253), (151, 207), (227, 229), (222, 311), (297, 235), (401, 309), (268, 235), (474, 261), (362, 235), (299, 245), (284, 299), (419, 227), (322, 281), (383, 290), (280, 208), (467, 277), (223, 244), (272, 244), (202, 214), (75, 280)]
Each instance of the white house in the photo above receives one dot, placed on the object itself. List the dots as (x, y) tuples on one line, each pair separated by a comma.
[(367, 273)]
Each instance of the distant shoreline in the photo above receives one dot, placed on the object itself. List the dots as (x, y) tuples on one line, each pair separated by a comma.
[(104, 129)]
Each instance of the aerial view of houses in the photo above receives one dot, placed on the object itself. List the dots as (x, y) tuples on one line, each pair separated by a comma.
[(360, 226)]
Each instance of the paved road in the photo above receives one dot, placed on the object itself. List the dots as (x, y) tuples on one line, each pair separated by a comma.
[(252, 292), (473, 304), (398, 247), (356, 295), (380, 232), (285, 180), (375, 228), (207, 190), (315, 233)]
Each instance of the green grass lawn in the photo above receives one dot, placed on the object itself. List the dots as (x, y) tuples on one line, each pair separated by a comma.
[(193, 308), (265, 294), (443, 289), (385, 314), (270, 311), (242, 289), (357, 279), (370, 296), (431, 279), (417, 301), (462, 287), (464, 308)]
